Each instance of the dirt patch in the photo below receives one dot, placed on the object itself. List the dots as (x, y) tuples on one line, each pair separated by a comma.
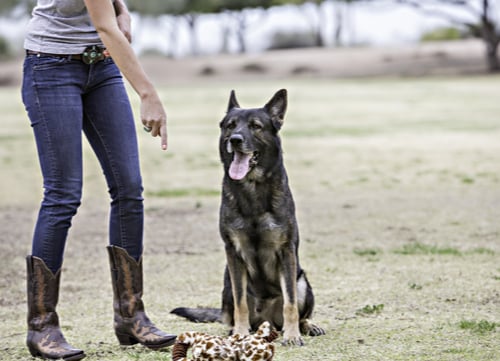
[(447, 58)]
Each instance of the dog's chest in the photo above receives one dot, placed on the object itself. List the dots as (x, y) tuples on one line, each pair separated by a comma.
[(258, 221), (258, 242), (263, 232)]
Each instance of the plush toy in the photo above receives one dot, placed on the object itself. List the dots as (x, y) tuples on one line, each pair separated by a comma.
[(256, 347)]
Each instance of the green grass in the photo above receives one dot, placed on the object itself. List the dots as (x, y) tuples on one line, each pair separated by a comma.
[(370, 310), (367, 252), (467, 180), (479, 327), (482, 251), (418, 248), (415, 286)]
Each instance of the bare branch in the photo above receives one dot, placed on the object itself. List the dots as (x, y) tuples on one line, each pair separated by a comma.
[(422, 6)]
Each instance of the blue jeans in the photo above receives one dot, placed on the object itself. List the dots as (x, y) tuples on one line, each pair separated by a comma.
[(63, 97)]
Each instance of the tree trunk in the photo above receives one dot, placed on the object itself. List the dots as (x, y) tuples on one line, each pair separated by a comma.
[(320, 42), (337, 35), (191, 20), (226, 32), (492, 55), (173, 36), (491, 38), (241, 31)]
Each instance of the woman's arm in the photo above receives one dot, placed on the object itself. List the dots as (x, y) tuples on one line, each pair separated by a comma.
[(123, 18), (103, 16)]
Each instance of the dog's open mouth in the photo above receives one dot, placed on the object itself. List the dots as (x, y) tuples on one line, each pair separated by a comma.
[(241, 164)]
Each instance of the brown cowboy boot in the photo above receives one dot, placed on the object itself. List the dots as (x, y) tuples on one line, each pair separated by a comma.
[(45, 338), (131, 323)]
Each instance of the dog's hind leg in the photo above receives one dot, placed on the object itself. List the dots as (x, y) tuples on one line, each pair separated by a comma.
[(306, 305), (227, 301)]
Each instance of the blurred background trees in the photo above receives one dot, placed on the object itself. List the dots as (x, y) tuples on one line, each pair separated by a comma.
[(328, 20), (485, 24)]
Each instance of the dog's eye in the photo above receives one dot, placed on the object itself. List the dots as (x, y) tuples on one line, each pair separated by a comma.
[(256, 125), (231, 125)]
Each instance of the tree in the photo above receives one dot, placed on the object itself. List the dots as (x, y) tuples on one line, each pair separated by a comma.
[(191, 13), (341, 12), (237, 10), (7, 5), (316, 24), (157, 7), (485, 27), (16, 7), (316, 21), (189, 10)]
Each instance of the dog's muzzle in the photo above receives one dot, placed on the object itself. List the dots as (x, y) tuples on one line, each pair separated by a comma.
[(235, 141), (243, 159)]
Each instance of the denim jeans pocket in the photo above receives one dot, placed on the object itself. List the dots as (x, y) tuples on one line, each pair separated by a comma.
[(46, 62)]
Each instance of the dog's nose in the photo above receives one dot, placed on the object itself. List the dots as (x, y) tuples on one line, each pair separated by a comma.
[(236, 139)]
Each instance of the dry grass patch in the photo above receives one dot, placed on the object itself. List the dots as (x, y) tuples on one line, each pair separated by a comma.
[(397, 187)]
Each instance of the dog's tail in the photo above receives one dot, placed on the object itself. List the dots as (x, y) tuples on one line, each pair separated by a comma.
[(200, 314)]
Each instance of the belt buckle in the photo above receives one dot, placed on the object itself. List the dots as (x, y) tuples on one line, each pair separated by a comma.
[(92, 54)]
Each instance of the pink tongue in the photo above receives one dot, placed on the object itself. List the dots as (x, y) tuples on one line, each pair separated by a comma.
[(239, 166)]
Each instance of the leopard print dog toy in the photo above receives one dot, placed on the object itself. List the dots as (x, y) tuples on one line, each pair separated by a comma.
[(256, 347)]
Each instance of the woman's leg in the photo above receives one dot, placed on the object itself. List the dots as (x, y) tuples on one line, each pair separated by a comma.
[(110, 129), (53, 100)]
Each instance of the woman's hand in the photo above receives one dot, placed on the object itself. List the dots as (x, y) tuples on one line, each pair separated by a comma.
[(153, 117)]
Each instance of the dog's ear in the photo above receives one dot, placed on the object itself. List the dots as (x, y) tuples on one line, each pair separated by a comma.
[(233, 103), (276, 108)]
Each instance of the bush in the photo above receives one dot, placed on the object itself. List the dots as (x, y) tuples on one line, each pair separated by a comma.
[(443, 34), (291, 40), (4, 48)]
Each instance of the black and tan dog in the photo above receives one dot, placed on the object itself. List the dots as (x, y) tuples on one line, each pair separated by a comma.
[(263, 280)]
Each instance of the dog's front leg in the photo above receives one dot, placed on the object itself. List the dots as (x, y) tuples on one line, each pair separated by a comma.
[(238, 275), (288, 282)]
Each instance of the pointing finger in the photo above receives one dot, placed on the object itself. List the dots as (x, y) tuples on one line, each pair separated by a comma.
[(163, 135)]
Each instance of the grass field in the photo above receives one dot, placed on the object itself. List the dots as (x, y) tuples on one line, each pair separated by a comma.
[(397, 185)]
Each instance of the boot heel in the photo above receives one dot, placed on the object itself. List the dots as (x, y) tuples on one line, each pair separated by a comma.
[(33, 351), (126, 340)]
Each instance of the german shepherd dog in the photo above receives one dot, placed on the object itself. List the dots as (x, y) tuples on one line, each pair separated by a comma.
[(263, 280)]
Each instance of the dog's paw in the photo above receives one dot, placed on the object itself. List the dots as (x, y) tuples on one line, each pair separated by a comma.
[(292, 337), (242, 330), (292, 341), (308, 328), (315, 330)]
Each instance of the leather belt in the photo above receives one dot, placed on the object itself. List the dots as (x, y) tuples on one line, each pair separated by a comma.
[(68, 56), (90, 55)]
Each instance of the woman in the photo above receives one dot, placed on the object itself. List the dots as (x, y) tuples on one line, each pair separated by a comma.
[(75, 52)]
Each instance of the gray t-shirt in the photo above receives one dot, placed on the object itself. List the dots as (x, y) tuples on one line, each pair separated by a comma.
[(60, 27)]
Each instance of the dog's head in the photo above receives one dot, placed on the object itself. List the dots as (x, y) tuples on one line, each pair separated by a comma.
[(249, 144)]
